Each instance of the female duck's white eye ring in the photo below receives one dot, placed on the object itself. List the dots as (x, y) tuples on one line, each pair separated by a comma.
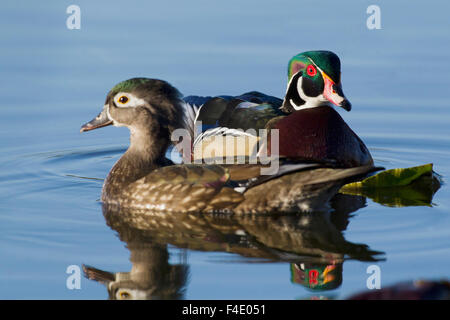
[(123, 100), (127, 100), (124, 295)]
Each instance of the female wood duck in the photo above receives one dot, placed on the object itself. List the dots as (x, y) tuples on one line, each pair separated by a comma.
[(308, 126), (144, 178)]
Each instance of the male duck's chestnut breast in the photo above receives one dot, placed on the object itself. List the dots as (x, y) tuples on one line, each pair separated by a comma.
[(321, 134)]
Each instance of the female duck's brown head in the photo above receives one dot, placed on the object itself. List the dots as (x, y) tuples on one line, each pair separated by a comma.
[(150, 108), (138, 104)]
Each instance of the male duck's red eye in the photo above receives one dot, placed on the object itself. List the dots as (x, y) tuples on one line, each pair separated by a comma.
[(123, 99), (311, 70)]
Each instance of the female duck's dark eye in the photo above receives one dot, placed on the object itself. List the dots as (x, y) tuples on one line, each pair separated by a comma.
[(123, 99), (311, 70)]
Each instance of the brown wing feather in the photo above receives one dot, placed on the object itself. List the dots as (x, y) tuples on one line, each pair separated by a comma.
[(181, 188)]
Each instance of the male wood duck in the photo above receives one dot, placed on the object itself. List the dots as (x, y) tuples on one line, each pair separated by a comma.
[(309, 127), (144, 178)]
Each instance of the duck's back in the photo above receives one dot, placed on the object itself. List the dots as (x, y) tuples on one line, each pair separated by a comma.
[(320, 134), (251, 110)]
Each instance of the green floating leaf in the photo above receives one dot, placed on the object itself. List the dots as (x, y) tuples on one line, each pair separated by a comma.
[(398, 187), (391, 178)]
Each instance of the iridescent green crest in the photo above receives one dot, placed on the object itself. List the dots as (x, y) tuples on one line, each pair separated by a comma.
[(326, 60), (296, 64), (129, 85)]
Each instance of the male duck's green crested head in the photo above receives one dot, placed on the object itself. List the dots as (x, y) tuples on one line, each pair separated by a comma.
[(140, 103), (314, 80)]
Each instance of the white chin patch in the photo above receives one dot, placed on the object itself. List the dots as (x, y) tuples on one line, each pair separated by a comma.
[(117, 124), (310, 102)]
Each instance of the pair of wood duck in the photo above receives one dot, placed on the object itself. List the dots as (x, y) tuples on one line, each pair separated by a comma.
[(317, 151)]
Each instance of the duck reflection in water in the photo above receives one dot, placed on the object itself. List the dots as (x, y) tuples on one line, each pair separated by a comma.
[(151, 275), (304, 239)]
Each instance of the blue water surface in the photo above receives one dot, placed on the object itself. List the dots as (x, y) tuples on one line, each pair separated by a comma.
[(55, 79)]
